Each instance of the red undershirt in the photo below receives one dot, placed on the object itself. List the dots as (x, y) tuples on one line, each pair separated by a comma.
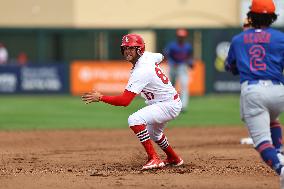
[(122, 100)]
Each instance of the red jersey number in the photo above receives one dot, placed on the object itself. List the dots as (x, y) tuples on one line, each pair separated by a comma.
[(161, 75), (257, 54)]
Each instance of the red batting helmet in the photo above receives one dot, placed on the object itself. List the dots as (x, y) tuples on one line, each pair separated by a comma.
[(133, 40), (181, 33), (263, 6)]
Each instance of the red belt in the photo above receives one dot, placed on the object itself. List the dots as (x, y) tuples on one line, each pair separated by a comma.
[(176, 96)]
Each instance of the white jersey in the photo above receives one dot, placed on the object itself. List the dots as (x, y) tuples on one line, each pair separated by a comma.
[(148, 79)]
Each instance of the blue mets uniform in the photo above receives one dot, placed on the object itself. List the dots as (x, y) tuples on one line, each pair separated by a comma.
[(257, 55), (179, 57), (179, 54)]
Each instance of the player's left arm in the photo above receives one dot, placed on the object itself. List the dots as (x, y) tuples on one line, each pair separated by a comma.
[(231, 63), (283, 54), (122, 100), (167, 53)]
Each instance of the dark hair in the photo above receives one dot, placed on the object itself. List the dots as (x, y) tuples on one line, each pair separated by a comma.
[(258, 20)]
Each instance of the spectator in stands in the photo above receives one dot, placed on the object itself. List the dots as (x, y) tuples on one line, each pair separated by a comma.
[(22, 58), (3, 54)]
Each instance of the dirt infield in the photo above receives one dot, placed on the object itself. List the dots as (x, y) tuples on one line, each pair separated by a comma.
[(113, 159)]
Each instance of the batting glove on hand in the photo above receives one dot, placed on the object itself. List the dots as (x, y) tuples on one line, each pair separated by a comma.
[(90, 97)]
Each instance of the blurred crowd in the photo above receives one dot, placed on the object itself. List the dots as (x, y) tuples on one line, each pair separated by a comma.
[(21, 59)]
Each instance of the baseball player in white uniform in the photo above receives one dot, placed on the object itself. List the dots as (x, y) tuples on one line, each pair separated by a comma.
[(163, 102)]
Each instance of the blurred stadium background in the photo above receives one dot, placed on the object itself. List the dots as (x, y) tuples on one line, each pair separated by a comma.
[(59, 49)]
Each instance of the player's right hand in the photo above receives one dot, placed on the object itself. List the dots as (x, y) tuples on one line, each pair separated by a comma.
[(90, 97)]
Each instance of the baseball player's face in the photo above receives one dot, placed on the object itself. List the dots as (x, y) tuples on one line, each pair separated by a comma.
[(130, 54), (181, 39)]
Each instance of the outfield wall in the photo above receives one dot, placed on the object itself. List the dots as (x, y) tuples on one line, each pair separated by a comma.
[(111, 77), (108, 77), (34, 79), (68, 45)]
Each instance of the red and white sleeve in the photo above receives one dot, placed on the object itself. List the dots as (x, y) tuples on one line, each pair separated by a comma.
[(122, 100)]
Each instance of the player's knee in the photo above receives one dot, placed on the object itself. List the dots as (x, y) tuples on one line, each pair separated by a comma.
[(156, 136), (134, 119), (260, 138)]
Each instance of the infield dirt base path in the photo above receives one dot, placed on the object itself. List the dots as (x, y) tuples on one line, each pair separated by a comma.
[(214, 159)]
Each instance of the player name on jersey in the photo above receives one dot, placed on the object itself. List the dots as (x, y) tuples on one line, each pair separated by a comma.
[(261, 37)]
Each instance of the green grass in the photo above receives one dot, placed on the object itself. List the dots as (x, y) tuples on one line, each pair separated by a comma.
[(211, 110), (61, 112)]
